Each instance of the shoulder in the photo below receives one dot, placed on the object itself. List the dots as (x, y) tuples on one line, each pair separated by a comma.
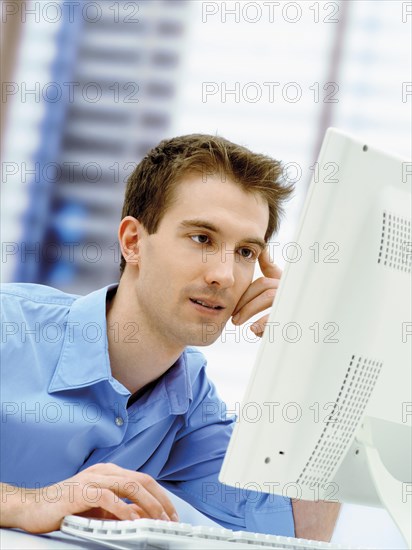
[(40, 294), (32, 302)]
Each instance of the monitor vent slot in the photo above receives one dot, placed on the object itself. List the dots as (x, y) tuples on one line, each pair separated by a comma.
[(396, 243), (357, 386)]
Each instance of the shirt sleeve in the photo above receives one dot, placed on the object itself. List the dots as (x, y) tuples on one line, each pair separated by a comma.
[(192, 470)]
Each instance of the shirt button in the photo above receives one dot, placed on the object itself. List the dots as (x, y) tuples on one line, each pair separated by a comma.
[(119, 421)]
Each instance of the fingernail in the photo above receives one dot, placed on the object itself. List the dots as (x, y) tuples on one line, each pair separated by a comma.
[(236, 318), (133, 515), (175, 517), (164, 517), (255, 328)]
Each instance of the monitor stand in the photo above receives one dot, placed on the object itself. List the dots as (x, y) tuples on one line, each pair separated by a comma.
[(391, 491)]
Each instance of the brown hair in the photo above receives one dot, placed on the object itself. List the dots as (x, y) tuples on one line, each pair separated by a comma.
[(150, 187)]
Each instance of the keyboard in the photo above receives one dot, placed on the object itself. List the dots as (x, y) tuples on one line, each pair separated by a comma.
[(162, 535)]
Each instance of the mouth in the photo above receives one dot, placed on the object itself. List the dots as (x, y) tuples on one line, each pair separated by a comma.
[(207, 304)]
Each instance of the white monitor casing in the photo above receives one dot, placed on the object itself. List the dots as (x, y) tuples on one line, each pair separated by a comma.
[(332, 381)]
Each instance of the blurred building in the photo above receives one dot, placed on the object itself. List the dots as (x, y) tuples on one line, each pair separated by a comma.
[(97, 85), (106, 98)]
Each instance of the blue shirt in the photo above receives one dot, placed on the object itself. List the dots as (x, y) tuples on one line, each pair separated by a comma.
[(63, 411)]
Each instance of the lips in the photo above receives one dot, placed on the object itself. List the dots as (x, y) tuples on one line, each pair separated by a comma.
[(207, 303)]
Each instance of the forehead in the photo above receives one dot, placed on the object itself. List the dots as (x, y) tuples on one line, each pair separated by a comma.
[(222, 202)]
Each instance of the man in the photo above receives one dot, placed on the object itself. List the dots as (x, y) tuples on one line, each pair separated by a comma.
[(103, 400)]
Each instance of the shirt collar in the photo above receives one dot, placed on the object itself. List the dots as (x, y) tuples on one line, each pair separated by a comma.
[(177, 386), (84, 359)]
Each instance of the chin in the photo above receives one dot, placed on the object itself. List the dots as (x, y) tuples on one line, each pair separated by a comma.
[(203, 340), (200, 344), (204, 335)]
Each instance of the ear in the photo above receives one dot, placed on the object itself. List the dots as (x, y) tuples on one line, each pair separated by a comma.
[(130, 234)]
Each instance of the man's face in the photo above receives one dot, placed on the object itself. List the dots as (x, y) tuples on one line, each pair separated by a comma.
[(194, 269)]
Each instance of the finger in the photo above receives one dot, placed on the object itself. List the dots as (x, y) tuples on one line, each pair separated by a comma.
[(155, 497), (137, 488), (257, 287), (261, 287), (115, 507), (258, 326), (147, 496), (260, 303), (269, 268), (271, 273), (98, 513), (160, 495), (111, 506)]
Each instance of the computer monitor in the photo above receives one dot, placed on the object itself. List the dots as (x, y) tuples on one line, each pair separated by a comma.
[(327, 413)]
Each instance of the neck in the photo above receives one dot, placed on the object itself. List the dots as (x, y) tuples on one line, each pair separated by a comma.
[(138, 354)]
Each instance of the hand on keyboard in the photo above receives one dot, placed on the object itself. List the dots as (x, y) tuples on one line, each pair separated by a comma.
[(101, 488)]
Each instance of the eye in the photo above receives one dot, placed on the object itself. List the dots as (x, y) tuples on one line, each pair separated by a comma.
[(247, 253), (201, 239)]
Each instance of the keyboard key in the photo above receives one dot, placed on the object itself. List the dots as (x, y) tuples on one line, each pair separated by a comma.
[(212, 532)]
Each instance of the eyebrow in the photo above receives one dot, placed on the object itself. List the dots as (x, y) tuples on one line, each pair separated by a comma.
[(204, 224)]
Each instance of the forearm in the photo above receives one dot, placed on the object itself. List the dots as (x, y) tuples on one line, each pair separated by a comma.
[(11, 505), (315, 520)]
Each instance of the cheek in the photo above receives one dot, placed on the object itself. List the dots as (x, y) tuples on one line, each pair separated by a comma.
[(243, 281), (244, 274)]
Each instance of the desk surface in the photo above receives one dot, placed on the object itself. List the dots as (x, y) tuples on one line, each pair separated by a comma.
[(11, 539)]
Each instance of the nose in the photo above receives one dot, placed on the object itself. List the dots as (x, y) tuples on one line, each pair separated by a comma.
[(220, 270)]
